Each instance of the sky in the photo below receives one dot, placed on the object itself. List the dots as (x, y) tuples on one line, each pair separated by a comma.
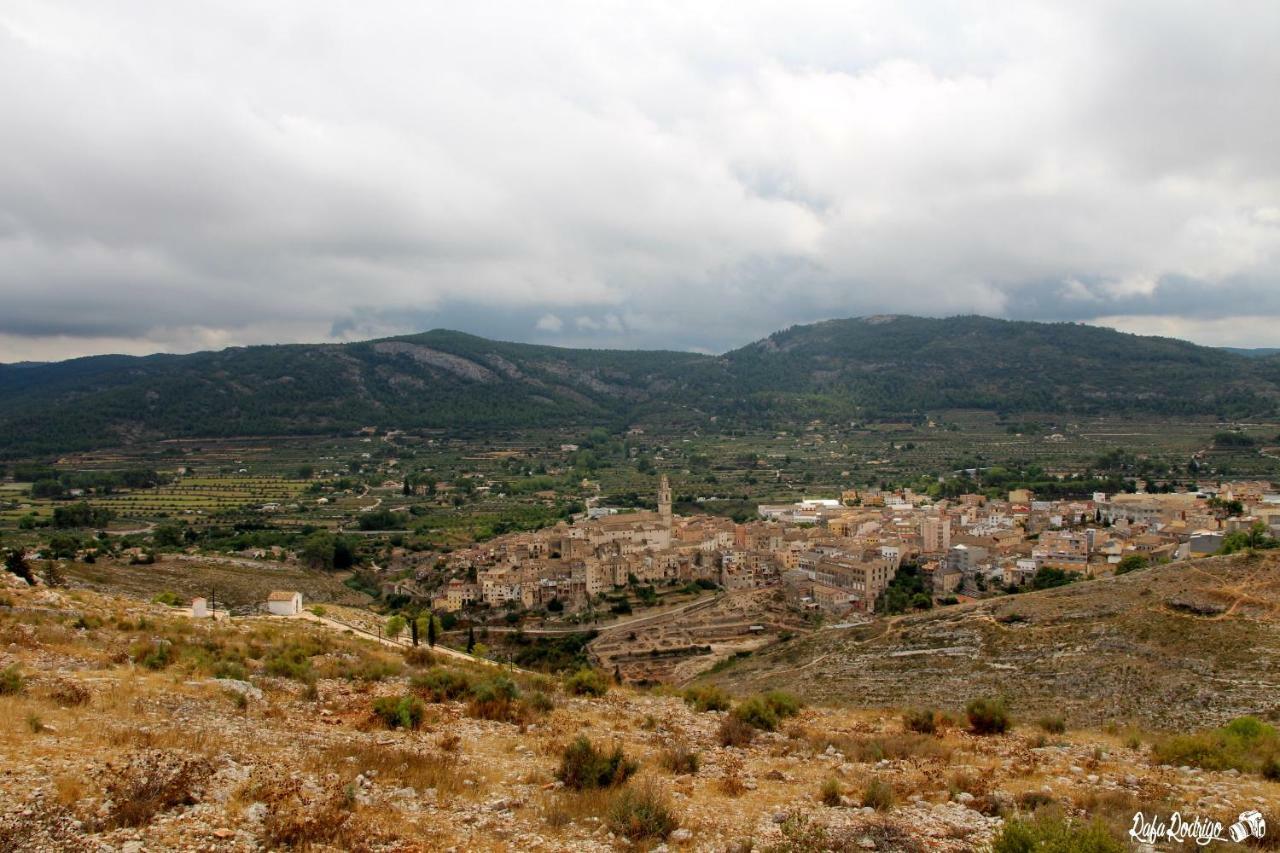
[(683, 175)]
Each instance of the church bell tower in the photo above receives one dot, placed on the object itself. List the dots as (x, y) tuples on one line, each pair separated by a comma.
[(664, 500)]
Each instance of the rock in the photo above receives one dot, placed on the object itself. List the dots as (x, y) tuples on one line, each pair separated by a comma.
[(779, 817), (681, 835), (964, 797), (244, 688), (224, 832), (866, 842)]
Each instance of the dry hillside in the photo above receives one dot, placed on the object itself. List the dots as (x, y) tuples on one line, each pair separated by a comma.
[(127, 726), (1173, 646)]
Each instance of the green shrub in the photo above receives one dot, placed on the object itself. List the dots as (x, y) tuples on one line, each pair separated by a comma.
[(582, 766), (830, 792), (540, 702), (1246, 744), (708, 698), (292, 661), (987, 716), (402, 712), (442, 685), (11, 681), (878, 795), (586, 682), (168, 598), (494, 699), (784, 704), (1051, 833), (922, 721), (641, 812), (1053, 725), (757, 713), (152, 653)]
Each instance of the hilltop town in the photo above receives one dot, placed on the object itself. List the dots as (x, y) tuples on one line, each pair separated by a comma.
[(839, 556)]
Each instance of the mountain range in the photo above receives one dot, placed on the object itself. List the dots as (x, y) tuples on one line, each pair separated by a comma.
[(838, 369)]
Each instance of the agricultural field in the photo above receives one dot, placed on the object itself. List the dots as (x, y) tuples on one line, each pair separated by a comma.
[(236, 583), (202, 496), (194, 499), (464, 490)]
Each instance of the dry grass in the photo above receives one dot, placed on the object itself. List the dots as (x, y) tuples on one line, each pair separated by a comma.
[(297, 817), (151, 782), (419, 770), (562, 809), (732, 782)]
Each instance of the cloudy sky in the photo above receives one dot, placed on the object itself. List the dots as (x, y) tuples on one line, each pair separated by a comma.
[(180, 176)]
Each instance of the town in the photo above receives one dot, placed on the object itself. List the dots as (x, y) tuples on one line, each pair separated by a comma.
[(840, 556)]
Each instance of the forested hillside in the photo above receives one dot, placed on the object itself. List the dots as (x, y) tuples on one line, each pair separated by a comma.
[(854, 368)]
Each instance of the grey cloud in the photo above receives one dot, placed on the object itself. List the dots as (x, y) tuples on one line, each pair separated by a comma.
[(199, 176)]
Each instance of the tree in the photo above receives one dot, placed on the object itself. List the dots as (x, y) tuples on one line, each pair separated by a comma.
[(431, 630), (1047, 577), (16, 562), (81, 515), (168, 535), (46, 489), (1131, 563), (1243, 540), (471, 638), (395, 626), (317, 550), (344, 552)]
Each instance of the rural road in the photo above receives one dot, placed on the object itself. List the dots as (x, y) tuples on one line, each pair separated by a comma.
[(611, 626), (386, 641)]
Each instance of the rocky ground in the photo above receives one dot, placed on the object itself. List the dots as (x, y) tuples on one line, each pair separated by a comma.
[(1174, 646), (112, 743)]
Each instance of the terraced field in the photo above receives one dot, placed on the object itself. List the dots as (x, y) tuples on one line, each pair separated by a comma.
[(202, 495), (192, 498)]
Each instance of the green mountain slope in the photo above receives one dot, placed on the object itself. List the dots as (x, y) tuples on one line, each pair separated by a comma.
[(840, 368), (914, 364)]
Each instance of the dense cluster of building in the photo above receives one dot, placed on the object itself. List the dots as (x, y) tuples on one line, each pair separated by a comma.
[(839, 555)]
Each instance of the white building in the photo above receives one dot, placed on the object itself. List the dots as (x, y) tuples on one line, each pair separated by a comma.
[(284, 603)]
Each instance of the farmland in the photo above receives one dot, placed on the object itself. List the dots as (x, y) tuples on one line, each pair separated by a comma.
[(234, 583), (195, 499), (469, 489)]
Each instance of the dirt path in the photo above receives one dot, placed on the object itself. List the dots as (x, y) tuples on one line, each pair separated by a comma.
[(337, 625)]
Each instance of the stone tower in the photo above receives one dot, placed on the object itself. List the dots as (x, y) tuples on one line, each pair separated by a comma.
[(664, 500)]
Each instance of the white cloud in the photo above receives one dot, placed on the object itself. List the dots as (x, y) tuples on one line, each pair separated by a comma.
[(665, 174), (550, 323)]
